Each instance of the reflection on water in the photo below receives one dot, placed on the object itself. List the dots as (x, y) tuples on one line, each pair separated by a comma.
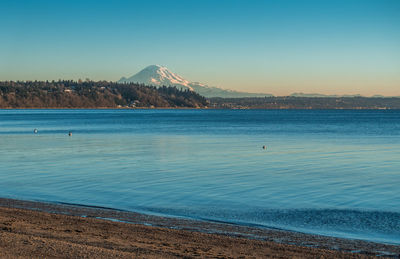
[(327, 172)]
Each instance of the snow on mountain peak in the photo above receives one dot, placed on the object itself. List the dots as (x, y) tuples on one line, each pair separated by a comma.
[(158, 76)]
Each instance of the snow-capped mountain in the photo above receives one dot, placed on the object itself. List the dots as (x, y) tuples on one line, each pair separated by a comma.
[(156, 75)]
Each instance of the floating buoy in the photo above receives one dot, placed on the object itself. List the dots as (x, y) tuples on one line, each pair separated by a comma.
[(35, 131)]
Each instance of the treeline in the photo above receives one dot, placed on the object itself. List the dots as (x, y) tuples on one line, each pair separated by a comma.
[(91, 94), (290, 102)]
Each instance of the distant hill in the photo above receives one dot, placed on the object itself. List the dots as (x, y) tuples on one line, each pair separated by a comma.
[(158, 76), (294, 102), (89, 94), (324, 95), (338, 96)]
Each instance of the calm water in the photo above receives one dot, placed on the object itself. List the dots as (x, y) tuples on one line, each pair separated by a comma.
[(326, 172)]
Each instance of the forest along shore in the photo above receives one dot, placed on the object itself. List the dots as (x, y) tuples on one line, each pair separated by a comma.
[(90, 94), (28, 229)]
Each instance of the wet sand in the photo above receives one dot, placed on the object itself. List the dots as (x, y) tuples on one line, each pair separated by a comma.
[(38, 230)]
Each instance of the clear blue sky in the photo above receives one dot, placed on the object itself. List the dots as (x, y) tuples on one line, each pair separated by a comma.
[(272, 46)]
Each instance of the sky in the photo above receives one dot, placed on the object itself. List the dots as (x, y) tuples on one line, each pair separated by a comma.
[(265, 46)]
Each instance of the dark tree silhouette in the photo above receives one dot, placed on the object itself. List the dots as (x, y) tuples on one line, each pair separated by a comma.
[(90, 94)]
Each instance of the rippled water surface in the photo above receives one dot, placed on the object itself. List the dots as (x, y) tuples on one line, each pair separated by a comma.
[(326, 172)]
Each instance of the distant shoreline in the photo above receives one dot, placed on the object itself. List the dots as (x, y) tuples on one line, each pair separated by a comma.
[(47, 223), (68, 94)]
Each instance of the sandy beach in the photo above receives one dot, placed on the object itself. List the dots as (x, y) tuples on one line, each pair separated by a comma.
[(32, 229)]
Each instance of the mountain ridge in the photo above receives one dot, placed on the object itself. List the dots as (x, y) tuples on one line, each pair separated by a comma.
[(156, 75)]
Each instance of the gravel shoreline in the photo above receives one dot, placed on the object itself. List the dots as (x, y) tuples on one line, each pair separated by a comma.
[(37, 229)]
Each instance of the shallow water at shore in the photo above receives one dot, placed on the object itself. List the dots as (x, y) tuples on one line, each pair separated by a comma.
[(325, 172)]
